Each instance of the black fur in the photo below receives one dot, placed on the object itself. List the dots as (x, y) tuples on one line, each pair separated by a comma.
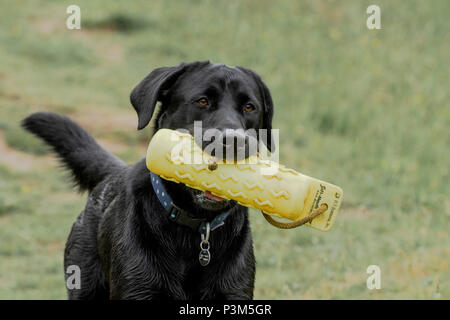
[(123, 241)]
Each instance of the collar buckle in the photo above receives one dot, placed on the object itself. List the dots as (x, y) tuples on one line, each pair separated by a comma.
[(174, 212)]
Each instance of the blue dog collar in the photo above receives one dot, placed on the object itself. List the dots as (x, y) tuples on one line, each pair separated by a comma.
[(180, 216)]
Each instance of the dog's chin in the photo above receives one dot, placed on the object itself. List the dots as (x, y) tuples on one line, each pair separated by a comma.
[(209, 203)]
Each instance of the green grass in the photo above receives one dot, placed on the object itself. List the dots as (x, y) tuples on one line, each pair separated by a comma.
[(366, 110)]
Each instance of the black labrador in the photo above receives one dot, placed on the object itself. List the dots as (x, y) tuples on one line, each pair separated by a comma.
[(124, 243)]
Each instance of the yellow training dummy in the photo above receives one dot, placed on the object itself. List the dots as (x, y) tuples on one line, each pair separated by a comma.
[(252, 182)]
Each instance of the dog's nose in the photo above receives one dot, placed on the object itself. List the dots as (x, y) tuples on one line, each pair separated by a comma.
[(235, 144), (233, 138), (230, 144)]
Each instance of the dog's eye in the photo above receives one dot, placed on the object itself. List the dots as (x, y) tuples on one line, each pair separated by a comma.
[(249, 107), (203, 102)]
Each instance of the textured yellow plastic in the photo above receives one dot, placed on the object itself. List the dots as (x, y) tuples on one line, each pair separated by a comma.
[(253, 182)]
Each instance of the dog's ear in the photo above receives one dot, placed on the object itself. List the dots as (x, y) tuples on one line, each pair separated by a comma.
[(148, 92), (268, 107)]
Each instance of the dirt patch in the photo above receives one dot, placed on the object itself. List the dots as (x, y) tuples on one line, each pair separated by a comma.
[(105, 125), (48, 26), (109, 52), (53, 247), (20, 160), (106, 121)]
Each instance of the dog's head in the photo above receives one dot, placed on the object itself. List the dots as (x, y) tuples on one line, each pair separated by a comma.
[(231, 100)]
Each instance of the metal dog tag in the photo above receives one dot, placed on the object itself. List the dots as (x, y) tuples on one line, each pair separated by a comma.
[(204, 257)]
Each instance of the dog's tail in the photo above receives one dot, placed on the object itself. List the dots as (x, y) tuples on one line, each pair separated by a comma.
[(88, 162)]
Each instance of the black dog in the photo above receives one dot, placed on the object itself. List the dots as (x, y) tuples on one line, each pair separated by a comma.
[(124, 241)]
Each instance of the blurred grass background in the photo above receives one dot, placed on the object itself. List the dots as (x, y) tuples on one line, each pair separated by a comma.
[(366, 110)]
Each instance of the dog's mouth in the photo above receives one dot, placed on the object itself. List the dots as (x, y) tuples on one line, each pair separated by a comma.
[(209, 201), (211, 196)]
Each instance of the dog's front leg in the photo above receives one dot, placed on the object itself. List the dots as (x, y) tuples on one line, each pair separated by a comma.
[(231, 278), (136, 276)]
